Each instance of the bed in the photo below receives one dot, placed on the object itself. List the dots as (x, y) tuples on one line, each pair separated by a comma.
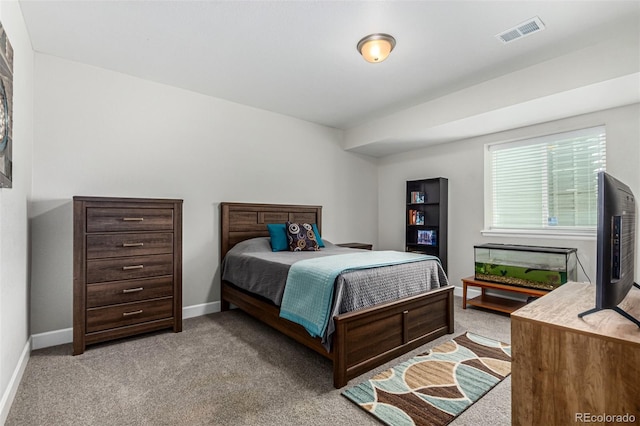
[(362, 339)]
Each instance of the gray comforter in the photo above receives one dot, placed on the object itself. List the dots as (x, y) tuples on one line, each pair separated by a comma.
[(252, 266)]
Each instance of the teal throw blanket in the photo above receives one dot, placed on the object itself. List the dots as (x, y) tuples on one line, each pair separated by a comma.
[(308, 293)]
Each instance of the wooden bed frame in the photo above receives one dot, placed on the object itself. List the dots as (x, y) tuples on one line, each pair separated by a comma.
[(363, 339)]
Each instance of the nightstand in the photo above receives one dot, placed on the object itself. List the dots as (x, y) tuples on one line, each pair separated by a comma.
[(362, 246)]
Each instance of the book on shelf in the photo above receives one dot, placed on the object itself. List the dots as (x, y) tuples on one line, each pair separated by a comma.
[(418, 197), (416, 217)]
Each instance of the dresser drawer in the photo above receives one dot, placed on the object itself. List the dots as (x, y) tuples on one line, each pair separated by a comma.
[(127, 268), (128, 291), (127, 314), (120, 245), (111, 219)]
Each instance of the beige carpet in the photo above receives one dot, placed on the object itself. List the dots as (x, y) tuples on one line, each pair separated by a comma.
[(223, 369)]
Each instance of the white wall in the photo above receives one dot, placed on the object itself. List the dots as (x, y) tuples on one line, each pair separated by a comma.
[(101, 133), (14, 247), (462, 163)]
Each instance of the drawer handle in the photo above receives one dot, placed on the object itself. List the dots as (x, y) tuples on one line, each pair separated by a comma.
[(127, 268), (133, 219), (126, 314), (132, 244), (132, 290)]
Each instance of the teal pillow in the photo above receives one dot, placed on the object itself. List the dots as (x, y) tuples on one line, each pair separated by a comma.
[(278, 235), (318, 239)]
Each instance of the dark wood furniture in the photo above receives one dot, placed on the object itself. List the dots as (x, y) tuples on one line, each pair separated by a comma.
[(496, 303), (363, 339), (427, 215), (564, 366), (127, 268), (361, 246)]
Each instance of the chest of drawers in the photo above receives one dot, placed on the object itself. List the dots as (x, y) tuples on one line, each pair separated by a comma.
[(127, 268)]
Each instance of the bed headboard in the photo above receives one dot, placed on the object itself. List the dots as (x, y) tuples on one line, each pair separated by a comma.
[(241, 221)]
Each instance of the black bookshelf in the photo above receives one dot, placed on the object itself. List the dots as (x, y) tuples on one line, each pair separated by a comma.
[(426, 217)]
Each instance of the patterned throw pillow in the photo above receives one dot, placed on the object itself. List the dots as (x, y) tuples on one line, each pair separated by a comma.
[(301, 237)]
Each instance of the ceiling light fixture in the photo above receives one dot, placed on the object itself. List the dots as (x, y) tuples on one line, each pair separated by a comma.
[(376, 47)]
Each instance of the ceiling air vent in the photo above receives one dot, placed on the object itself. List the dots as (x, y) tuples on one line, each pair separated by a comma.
[(521, 30)]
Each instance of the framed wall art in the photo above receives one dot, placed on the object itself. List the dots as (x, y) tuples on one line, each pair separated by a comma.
[(6, 110)]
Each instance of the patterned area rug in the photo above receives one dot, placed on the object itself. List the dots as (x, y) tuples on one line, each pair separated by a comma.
[(435, 387)]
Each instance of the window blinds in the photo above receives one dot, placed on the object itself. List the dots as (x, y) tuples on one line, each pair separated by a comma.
[(548, 182)]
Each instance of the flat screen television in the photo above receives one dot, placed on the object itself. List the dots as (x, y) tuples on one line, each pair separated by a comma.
[(615, 248)]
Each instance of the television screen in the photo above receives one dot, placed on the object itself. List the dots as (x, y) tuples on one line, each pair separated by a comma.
[(427, 237), (616, 234)]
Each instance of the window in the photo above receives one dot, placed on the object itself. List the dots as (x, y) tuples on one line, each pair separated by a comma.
[(547, 183)]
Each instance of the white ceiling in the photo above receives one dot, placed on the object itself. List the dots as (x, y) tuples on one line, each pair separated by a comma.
[(299, 58)]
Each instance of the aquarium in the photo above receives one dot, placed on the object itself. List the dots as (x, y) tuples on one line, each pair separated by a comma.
[(526, 266)]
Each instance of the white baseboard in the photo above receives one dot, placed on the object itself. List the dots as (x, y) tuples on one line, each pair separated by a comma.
[(199, 310), (471, 292), (16, 378), (51, 338), (64, 336)]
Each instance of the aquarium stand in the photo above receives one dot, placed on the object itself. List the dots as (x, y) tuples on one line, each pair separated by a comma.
[(496, 303)]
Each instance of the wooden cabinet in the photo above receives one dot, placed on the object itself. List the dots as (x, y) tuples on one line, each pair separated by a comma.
[(127, 268), (566, 369), (426, 217)]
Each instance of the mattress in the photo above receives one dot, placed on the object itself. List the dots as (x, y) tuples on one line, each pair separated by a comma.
[(252, 266)]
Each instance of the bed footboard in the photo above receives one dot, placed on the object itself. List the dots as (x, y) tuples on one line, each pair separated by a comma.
[(370, 337)]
